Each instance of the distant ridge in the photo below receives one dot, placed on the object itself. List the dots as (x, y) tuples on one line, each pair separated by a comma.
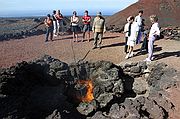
[(168, 12)]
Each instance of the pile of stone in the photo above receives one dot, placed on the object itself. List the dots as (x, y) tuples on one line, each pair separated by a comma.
[(116, 29), (48, 88), (172, 33)]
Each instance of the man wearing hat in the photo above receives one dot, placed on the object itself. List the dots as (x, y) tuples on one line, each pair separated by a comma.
[(98, 29)]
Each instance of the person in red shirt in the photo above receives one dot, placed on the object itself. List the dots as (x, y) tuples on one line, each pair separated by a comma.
[(49, 24), (86, 22)]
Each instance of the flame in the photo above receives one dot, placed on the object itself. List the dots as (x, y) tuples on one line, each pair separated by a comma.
[(89, 95)]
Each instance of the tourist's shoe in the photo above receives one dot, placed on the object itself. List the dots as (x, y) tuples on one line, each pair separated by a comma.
[(55, 35), (99, 46), (147, 60), (94, 47), (131, 55), (152, 58), (127, 56)]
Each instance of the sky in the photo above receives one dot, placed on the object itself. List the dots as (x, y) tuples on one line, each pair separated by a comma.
[(40, 7)]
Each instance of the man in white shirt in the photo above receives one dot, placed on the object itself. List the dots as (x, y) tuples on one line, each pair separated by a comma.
[(138, 19), (154, 33), (127, 33), (132, 38)]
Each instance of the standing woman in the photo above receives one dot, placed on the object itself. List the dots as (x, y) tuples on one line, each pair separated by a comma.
[(74, 24), (154, 33)]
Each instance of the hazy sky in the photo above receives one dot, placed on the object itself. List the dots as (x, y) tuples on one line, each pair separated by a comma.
[(7, 7)]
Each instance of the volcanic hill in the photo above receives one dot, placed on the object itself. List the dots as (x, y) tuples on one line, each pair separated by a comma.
[(167, 11)]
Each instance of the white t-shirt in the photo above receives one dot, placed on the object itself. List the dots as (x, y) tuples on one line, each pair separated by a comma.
[(154, 30), (138, 19), (74, 20), (134, 30), (126, 29)]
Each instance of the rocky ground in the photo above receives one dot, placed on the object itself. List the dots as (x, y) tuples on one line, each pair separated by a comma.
[(48, 88)]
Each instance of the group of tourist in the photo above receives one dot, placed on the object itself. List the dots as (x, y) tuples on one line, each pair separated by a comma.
[(55, 26), (134, 29)]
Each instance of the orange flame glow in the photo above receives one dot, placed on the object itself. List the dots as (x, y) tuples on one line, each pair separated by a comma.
[(89, 95)]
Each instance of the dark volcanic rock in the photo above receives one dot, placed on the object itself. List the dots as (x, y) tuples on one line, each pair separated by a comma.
[(47, 86)]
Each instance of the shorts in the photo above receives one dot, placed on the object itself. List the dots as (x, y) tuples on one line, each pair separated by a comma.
[(131, 42), (86, 27), (74, 29)]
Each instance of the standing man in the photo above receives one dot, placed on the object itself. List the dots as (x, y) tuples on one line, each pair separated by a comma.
[(127, 29), (132, 38), (86, 22), (49, 24), (138, 19), (54, 23), (98, 29), (60, 26)]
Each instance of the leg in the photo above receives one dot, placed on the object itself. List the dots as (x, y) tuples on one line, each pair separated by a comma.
[(84, 31), (51, 34), (76, 36), (47, 34), (131, 51), (88, 29), (58, 27), (150, 48), (138, 40), (95, 39), (100, 35), (62, 26), (126, 46), (55, 28), (88, 36), (143, 44)]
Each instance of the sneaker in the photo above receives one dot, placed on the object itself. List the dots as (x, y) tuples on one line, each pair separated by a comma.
[(152, 58), (127, 56), (55, 35), (131, 55), (147, 60), (94, 47), (99, 46)]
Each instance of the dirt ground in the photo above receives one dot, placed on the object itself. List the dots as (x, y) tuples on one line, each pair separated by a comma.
[(27, 49)]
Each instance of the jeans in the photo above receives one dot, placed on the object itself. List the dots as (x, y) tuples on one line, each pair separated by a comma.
[(49, 31), (60, 26), (139, 37)]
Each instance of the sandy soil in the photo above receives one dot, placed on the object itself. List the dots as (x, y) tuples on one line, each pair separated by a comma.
[(14, 51)]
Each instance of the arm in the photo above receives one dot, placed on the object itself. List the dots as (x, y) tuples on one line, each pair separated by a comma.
[(93, 27), (156, 30)]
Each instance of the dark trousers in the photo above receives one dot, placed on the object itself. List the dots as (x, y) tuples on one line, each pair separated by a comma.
[(125, 45), (49, 32), (145, 44)]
